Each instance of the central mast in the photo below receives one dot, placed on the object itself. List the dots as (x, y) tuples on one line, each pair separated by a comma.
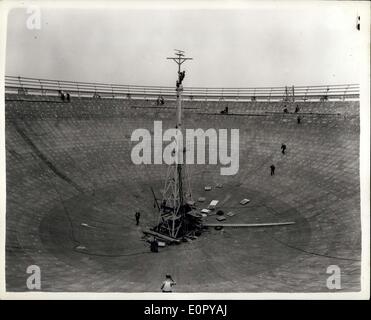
[(176, 205), (178, 218), (178, 179)]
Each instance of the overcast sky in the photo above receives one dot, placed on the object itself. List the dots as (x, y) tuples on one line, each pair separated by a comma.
[(257, 46)]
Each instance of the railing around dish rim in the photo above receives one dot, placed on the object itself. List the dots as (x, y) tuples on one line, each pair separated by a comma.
[(47, 87)]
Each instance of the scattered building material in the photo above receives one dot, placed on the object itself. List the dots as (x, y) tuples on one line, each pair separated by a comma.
[(230, 214), (193, 213), (201, 199), (244, 201), (221, 218), (85, 225), (241, 225), (161, 236), (206, 211), (213, 204), (207, 188)]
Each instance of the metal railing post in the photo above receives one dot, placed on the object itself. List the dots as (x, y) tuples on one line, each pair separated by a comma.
[(41, 88), (78, 89), (21, 85), (59, 85), (345, 91)]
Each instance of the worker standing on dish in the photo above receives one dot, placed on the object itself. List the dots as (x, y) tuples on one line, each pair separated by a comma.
[(167, 285)]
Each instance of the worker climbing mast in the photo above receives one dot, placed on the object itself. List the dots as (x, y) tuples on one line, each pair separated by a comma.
[(177, 217)]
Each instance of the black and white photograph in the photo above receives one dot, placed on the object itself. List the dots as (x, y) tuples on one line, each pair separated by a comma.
[(194, 149)]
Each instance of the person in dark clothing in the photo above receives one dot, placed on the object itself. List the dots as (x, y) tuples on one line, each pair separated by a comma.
[(154, 245), (297, 109), (68, 97), (272, 169), (283, 148), (299, 119), (225, 111), (181, 76), (62, 95), (137, 217), (285, 110)]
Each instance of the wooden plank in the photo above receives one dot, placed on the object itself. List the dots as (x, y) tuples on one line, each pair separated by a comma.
[(241, 225), (159, 235), (194, 214)]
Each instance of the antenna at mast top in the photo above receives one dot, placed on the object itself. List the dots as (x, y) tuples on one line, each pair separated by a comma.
[(179, 59)]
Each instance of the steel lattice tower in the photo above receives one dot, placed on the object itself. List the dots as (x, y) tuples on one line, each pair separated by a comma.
[(176, 195)]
